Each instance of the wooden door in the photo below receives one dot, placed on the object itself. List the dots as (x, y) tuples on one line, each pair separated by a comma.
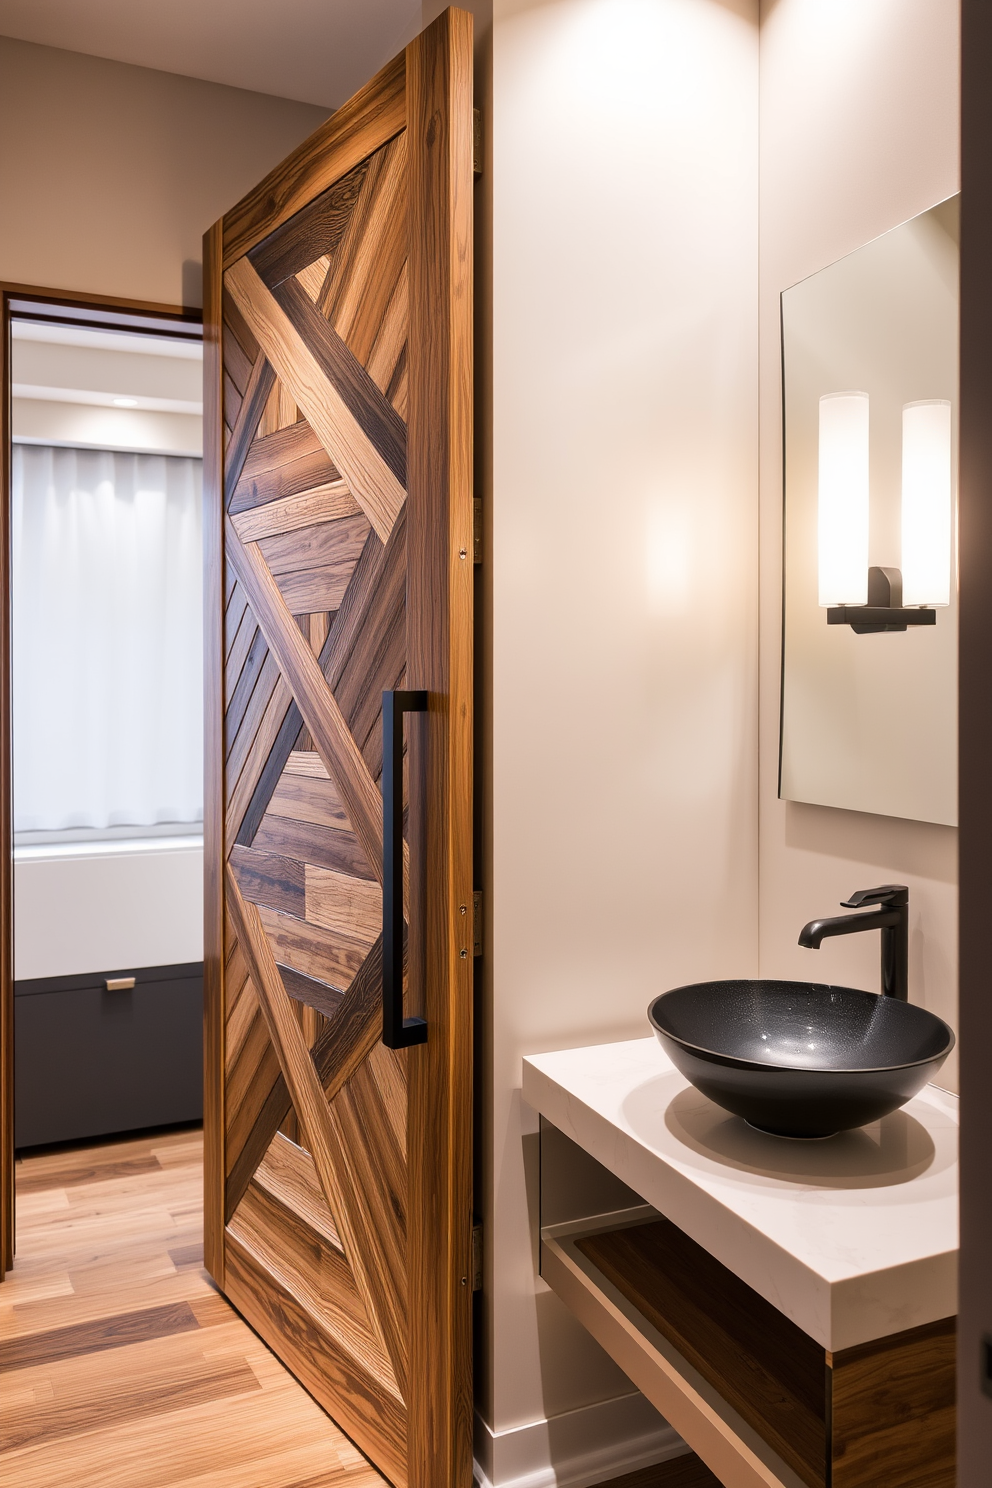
[(338, 1180)]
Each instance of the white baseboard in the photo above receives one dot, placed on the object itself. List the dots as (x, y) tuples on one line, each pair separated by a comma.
[(578, 1449)]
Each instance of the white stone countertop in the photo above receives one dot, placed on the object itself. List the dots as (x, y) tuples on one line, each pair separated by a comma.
[(854, 1237)]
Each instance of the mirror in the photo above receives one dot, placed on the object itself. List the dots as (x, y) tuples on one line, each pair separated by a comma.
[(869, 684)]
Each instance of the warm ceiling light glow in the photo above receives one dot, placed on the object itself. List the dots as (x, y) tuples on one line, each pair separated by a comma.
[(926, 502), (125, 402), (842, 506)]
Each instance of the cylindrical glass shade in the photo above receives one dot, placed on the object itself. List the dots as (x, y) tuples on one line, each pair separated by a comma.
[(926, 502), (842, 507)]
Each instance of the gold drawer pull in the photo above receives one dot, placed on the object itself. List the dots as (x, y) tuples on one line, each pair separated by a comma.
[(119, 984)]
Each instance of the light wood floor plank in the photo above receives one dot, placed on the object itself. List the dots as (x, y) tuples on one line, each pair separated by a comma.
[(121, 1366)]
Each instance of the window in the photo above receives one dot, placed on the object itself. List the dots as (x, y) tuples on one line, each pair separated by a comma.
[(107, 641)]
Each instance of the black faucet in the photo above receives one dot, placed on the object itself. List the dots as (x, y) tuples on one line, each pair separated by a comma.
[(893, 921)]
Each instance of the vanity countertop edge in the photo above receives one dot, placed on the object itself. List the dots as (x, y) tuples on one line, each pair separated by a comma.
[(854, 1239)]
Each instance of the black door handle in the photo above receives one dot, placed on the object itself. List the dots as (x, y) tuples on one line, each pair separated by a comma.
[(397, 1032)]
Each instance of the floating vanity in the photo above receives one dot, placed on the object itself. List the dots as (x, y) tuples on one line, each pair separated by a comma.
[(789, 1307)]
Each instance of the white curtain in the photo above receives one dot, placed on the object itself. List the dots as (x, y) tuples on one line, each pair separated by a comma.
[(107, 639)]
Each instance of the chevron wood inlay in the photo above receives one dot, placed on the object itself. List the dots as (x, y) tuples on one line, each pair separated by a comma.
[(284, 463), (340, 851), (237, 363), (245, 821), (252, 704), (266, 878), (312, 993), (313, 949), (358, 1209), (289, 513), (312, 566), (374, 484), (313, 697), (235, 329), (314, 1269), (249, 414), (272, 726), (339, 902), (391, 339), (363, 272), (339, 1193), (354, 1031), (309, 797), (312, 236), (343, 371)]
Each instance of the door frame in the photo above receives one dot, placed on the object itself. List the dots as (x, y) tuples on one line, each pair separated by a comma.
[(14, 300), (974, 747)]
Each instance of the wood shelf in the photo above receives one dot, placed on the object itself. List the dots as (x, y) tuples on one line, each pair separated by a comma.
[(761, 1402), (852, 1239)]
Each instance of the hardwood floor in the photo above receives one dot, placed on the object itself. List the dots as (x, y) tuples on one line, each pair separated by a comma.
[(122, 1367), (120, 1364)]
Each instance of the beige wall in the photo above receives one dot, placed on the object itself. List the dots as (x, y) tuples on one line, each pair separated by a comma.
[(110, 174), (622, 839), (859, 131)]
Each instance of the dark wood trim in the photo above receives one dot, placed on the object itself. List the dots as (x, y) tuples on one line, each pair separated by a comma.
[(11, 292), (440, 659), (892, 1401), (80, 299), (7, 1199), (975, 740), (214, 1122)]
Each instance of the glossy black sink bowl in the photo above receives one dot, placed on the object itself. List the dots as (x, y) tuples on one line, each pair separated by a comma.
[(800, 1059)]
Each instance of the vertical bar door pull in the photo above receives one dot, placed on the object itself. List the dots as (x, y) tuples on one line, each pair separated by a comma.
[(397, 1032)]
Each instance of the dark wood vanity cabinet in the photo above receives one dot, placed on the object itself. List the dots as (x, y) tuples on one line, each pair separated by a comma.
[(881, 1415)]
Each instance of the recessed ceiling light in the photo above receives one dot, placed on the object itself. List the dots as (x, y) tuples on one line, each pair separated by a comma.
[(125, 402)]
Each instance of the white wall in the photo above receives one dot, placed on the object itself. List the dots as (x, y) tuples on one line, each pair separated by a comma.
[(107, 907), (67, 379), (859, 131), (110, 174), (622, 627)]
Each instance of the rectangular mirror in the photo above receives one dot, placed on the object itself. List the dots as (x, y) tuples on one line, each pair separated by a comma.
[(869, 684)]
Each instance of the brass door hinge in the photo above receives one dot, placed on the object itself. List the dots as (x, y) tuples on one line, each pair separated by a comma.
[(476, 529), (477, 1253), (476, 141), (477, 922)]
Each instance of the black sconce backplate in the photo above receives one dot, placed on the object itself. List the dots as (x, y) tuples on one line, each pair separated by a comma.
[(884, 610)]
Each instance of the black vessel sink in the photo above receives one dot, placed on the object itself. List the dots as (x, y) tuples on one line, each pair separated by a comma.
[(800, 1059)]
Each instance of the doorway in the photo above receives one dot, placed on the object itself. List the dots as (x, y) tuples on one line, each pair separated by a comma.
[(101, 764), (116, 1347)]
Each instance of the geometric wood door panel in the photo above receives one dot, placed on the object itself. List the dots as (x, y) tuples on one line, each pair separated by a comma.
[(338, 464)]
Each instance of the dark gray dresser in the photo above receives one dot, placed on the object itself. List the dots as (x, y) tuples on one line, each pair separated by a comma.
[(92, 1057)]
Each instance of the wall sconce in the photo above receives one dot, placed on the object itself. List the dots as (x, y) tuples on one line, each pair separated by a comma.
[(872, 599), (926, 503), (842, 513)]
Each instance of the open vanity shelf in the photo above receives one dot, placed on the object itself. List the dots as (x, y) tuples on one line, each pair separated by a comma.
[(758, 1306)]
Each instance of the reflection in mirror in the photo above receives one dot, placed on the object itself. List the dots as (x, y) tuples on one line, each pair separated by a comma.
[(869, 695)]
